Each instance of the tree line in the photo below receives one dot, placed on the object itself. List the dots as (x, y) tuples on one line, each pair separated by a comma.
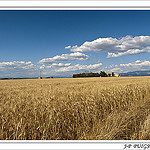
[(91, 74)]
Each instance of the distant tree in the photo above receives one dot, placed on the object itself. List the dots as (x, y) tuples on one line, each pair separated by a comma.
[(75, 76), (103, 74), (112, 74), (90, 74)]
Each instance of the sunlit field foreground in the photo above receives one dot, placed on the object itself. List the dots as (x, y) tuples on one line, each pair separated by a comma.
[(108, 108)]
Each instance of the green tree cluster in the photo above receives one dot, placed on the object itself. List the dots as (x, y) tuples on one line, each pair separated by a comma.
[(103, 74), (91, 74), (86, 75)]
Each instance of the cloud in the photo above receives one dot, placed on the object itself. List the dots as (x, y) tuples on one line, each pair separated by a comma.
[(18, 69), (132, 66), (127, 45), (61, 64), (68, 47), (137, 64), (64, 57), (129, 52), (79, 67), (113, 68), (116, 70), (17, 65), (55, 65), (98, 45)]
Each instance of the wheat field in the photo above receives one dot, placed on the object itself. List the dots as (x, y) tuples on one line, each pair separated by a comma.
[(108, 108)]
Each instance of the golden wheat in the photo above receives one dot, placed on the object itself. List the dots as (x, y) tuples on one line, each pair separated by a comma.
[(75, 109)]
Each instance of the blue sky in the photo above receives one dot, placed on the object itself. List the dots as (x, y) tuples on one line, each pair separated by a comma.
[(61, 43)]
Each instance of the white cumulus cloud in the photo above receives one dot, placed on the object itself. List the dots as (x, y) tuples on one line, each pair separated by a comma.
[(64, 57), (68, 47), (18, 69), (127, 45), (98, 45), (129, 52), (17, 65), (61, 64), (79, 67), (137, 64)]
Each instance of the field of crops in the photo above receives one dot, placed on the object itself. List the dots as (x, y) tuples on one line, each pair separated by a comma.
[(108, 108)]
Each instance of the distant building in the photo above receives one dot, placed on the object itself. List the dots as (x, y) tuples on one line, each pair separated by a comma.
[(108, 74), (116, 75), (113, 74)]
